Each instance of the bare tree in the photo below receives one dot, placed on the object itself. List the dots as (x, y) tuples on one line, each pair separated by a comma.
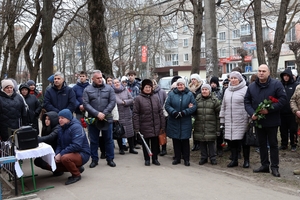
[(96, 10), (295, 47)]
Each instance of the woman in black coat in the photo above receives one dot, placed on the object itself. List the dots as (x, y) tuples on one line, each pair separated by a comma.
[(34, 106)]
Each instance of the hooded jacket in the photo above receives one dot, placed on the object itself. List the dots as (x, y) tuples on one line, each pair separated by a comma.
[(49, 134), (34, 106), (289, 87)]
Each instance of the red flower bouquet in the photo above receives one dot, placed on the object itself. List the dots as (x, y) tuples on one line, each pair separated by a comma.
[(266, 104)]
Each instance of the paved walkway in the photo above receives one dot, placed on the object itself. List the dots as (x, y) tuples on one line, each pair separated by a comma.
[(132, 180)]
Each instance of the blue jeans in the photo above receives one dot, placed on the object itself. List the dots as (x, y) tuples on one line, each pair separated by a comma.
[(94, 142)]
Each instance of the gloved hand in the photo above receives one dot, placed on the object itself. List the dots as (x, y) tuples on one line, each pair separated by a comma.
[(176, 115), (182, 114), (222, 127)]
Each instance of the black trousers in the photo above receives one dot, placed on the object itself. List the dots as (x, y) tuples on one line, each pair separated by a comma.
[(153, 145), (208, 149), (181, 147), (288, 130), (265, 135)]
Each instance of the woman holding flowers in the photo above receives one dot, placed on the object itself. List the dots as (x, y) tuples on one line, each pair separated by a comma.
[(235, 118), (267, 127)]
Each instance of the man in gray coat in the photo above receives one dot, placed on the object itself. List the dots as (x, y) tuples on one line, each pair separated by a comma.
[(99, 100)]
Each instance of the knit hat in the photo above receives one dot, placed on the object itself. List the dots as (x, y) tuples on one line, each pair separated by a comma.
[(66, 113), (51, 78), (146, 82), (206, 86), (196, 76), (215, 80), (174, 85), (6, 82), (236, 74), (226, 81), (30, 82), (124, 78), (174, 79), (181, 80)]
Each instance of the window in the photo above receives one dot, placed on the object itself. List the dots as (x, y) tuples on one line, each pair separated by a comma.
[(222, 53), (236, 34), (171, 59), (185, 28), (186, 57), (174, 59), (222, 36), (234, 49), (236, 16), (245, 29), (265, 32), (202, 54), (291, 35), (171, 44), (185, 42)]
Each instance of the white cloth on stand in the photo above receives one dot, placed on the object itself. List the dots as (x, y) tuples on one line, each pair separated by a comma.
[(43, 150)]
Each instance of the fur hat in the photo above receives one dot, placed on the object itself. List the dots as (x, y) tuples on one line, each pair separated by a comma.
[(6, 82), (180, 80), (146, 82), (215, 80), (30, 82), (206, 86), (66, 113), (196, 76), (236, 74), (174, 79)]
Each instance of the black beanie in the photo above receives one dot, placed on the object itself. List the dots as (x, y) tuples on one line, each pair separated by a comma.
[(215, 80), (174, 79), (146, 82)]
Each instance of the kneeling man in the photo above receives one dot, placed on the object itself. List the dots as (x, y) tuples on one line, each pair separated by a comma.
[(73, 149)]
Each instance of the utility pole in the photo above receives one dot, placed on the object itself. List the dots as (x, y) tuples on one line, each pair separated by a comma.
[(211, 38)]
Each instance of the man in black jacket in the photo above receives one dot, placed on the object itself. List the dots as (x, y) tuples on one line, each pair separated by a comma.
[(288, 122), (257, 92)]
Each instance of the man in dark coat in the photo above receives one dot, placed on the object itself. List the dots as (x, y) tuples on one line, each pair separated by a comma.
[(257, 92), (59, 96), (288, 122), (99, 100)]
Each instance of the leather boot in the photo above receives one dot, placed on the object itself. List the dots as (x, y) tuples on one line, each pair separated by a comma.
[(121, 150), (196, 146), (234, 155), (131, 145), (246, 164), (275, 172)]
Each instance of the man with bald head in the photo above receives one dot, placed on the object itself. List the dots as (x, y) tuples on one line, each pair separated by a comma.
[(263, 87)]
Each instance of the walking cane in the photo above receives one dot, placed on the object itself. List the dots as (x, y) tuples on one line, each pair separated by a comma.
[(146, 145)]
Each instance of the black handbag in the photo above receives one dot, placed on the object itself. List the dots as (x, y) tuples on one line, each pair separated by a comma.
[(118, 130), (250, 137)]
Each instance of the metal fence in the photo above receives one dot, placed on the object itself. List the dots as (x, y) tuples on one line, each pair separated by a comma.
[(7, 172)]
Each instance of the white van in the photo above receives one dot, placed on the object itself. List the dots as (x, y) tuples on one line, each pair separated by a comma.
[(165, 83)]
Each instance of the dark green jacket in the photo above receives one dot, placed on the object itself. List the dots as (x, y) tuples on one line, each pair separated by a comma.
[(206, 123)]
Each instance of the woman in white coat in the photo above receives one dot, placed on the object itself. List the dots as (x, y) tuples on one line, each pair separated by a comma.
[(235, 117)]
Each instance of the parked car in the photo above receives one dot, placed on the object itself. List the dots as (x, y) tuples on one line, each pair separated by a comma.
[(165, 83)]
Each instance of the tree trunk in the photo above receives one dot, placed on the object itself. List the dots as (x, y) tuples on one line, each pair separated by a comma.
[(100, 55), (196, 49), (211, 39), (46, 32), (258, 33), (273, 56)]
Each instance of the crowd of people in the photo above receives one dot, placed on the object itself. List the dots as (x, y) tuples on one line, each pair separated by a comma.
[(205, 112)]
